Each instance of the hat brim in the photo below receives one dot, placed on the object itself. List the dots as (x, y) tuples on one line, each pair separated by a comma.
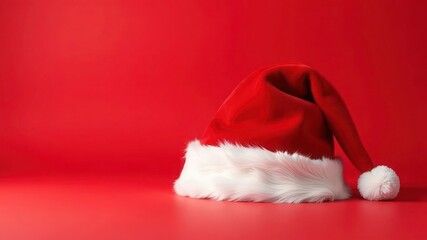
[(233, 172)]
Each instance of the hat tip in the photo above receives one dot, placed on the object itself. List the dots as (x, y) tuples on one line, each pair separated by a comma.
[(381, 183)]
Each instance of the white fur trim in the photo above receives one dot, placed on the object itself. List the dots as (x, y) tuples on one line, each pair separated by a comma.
[(381, 183), (236, 173)]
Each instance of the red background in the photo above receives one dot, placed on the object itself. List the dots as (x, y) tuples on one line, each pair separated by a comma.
[(107, 88)]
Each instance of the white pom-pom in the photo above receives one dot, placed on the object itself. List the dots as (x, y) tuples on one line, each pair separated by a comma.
[(381, 183)]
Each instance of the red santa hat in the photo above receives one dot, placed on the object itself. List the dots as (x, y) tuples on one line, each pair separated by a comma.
[(272, 141)]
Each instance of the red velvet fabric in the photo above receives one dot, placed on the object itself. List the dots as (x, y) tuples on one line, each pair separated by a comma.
[(288, 108)]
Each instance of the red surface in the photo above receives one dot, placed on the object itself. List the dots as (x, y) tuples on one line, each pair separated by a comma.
[(117, 88), (137, 208)]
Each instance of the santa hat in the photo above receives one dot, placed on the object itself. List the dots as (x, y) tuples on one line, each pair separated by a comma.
[(272, 141)]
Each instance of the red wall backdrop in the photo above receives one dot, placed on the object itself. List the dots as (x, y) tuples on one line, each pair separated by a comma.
[(119, 87)]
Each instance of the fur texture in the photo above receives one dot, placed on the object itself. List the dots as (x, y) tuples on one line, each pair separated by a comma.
[(381, 183), (236, 173)]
